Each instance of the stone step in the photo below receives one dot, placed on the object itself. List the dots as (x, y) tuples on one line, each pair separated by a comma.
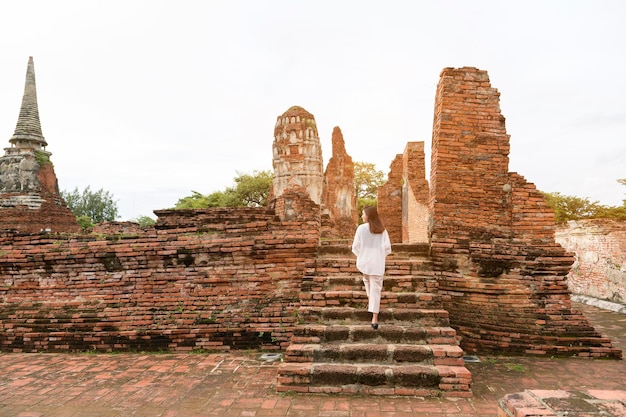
[(346, 315), (378, 353), (358, 299), (354, 282), (375, 379), (344, 247), (387, 333), (393, 266)]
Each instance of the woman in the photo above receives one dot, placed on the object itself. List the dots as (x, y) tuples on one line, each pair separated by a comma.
[(371, 246)]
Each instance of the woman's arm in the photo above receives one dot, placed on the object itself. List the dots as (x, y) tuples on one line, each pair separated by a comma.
[(386, 243), (356, 243)]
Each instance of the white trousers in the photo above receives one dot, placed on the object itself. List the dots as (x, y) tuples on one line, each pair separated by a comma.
[(373, 288)]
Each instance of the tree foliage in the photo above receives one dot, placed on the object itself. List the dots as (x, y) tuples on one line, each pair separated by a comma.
[(91, 207), (575, 208), (249, 190), (145, 221), (367, 179), (253, 190), (570, 207)]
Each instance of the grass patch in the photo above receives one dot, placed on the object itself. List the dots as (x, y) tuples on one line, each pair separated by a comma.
[(515, 367)]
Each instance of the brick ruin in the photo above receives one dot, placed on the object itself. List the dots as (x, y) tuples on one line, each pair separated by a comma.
[(403, 199), (233, 278), (339, 214), (297, 154), (297, 162), (29, 192), (501, 272)]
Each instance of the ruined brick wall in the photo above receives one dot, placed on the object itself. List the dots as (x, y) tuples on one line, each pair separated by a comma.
[(339, 194), (201, 279), (51, 216), (415, 193), (502, 275), (599, 246), (390, 201), (403, 199)]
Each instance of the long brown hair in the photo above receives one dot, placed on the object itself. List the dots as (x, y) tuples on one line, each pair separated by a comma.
[(376, 225)]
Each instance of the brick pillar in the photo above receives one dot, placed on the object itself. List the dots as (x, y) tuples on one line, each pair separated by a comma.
[(339, 195)]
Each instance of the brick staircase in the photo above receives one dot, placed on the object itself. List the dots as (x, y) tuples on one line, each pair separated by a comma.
[(335, 350)]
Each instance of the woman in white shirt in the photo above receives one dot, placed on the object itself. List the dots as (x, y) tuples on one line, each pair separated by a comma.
[(371, 246)]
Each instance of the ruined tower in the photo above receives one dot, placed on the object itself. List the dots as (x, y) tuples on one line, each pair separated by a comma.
[(339, 195), (29, 193), (297, 154)]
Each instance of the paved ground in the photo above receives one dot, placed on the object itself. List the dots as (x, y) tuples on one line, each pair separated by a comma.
[(239, 384)]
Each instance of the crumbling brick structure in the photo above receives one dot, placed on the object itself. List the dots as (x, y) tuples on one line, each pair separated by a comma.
[(339, 196), (29, 193), (403, 199), (390, 201), (492, 242), (415, 194), (297, 161)]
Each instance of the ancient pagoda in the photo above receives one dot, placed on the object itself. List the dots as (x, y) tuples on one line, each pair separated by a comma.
[(30, 201), (297, 158)]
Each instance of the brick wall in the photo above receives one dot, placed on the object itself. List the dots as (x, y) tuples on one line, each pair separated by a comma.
[(201, 279), (502, 274), (403, 199), (415, 193), (599, 246), (390, 201)]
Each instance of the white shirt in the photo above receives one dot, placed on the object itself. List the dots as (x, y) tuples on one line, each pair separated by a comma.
[(370, 249)]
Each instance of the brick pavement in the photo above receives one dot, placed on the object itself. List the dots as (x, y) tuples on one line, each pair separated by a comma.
[(240, 384)]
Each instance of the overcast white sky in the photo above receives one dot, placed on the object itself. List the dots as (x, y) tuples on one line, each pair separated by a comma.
[(150, 100)]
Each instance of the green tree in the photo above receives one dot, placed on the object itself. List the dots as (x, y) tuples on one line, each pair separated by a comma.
[(145, 221), (199, 200), (612, 212), (91, 207), (84, 221), (575, 208), (253, 190), (249, 190), (367, 179)]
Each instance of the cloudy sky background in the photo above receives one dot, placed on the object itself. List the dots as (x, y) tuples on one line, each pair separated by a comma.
[(150, 100)]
